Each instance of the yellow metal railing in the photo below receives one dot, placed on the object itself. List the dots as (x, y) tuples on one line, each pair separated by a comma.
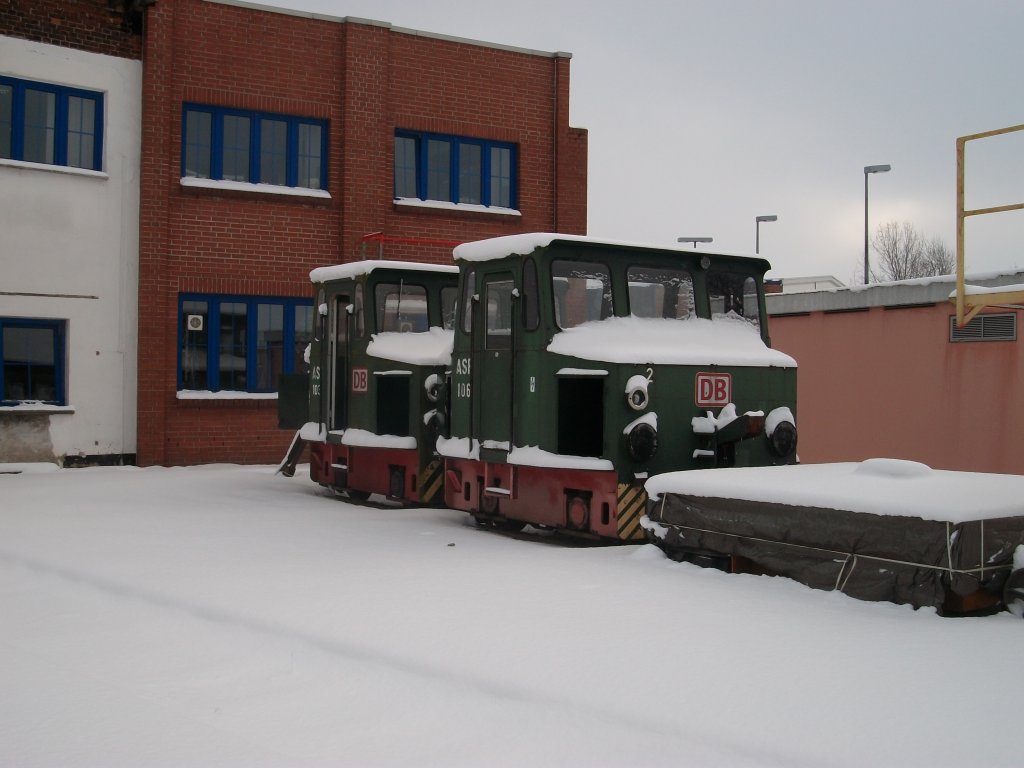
[(967, 306)]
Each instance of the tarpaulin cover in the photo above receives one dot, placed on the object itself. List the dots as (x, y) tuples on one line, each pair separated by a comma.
[(868, 556)]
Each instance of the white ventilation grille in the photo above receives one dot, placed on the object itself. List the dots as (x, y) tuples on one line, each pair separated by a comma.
[(990, 327)]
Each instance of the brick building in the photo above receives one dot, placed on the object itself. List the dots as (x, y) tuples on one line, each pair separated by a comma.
[(274, 142), (70, 117)]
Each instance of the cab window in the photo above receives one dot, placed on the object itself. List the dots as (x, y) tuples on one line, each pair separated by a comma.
[(582, 291), (401, 308), (449, 306), (499, 313), (732, 294), (660, 292)]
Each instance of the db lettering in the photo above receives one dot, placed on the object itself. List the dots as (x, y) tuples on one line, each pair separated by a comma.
[(359, 380), (713, 390)]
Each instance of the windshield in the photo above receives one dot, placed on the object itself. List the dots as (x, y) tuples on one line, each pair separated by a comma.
[(732, 294), (401, 308), (660, 292), (582, 290)]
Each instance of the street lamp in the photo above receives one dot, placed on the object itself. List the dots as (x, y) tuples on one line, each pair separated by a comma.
[(757, 230), (694, 240), (869, 169)]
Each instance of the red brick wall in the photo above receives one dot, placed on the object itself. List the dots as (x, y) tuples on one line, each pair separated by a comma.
[(366, 80), (98, 26)]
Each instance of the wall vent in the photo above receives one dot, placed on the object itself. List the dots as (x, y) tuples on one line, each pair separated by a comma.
[(988, 327)]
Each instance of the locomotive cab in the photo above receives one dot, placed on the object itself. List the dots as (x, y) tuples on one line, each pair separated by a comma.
[(582, 367), (382, 343)]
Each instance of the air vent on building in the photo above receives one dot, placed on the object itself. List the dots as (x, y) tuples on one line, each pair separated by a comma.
[(990, 327), (195, 322)]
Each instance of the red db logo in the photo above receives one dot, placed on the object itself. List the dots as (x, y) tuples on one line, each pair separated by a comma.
[(713, 390), (359, 380)]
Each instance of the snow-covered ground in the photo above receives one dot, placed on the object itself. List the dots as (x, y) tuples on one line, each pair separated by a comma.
[(225, 616)]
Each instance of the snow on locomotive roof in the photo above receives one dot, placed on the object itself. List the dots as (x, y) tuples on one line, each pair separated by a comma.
[(433, 347), (358, 268), (645, 340), (890, 487), (525, 244)]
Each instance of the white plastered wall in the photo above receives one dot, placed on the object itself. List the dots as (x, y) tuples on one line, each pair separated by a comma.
[(69, 250)]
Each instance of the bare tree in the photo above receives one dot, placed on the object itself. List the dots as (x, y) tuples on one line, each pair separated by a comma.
[(904, 254), (938, 258)]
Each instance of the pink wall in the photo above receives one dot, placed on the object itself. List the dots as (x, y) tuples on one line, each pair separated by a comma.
[(889, 383)]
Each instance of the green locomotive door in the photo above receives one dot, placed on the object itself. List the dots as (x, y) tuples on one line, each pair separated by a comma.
[(337, 395), (496, 361)]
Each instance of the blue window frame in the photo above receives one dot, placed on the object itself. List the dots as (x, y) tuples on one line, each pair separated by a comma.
[(240, 343), (258, 147), (50, 124), (33, 356), (455, 169)]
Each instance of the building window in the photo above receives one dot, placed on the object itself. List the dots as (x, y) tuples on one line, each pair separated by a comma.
[(454, 169), (988, 327), (50, 124), (240, 343), (33, 361), (253, 147)]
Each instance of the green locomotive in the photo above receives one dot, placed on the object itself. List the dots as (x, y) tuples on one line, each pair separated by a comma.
[(373, 396), (582, 367)]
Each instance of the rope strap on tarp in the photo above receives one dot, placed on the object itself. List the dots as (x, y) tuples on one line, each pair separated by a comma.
[(978, 571)]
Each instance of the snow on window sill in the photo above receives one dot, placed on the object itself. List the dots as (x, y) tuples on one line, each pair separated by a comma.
[(205, 394), (30, 407), (265, 189), (65, 169), (443, 205)]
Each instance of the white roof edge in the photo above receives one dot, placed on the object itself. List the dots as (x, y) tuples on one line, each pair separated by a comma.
[(525, 243), (811, 279), (925, 290), (387, 25), (356, 268), (482, 43)]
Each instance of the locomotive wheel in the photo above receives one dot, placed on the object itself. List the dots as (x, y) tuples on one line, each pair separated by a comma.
[(499, 523), (1013, 593), (508, 526), (358, 495)]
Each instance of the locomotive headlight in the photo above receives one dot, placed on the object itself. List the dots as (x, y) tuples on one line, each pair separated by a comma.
[(636, 391), (642, 438), (433, 385), (780, 428)]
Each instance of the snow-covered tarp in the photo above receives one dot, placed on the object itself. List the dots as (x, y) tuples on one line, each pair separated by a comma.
[(883, 529), (877, 486)]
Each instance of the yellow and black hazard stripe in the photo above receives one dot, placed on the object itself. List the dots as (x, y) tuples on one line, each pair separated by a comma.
[(632, 505), (430, 487)]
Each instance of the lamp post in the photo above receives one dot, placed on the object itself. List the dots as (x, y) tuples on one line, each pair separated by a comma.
[(757, 230), (869, 169), (694, 240)]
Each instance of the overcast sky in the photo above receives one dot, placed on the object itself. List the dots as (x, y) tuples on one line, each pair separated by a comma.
[(704, 114)]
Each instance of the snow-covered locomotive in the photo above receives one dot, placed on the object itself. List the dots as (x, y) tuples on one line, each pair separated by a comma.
[(582, 367), (371, 403), (547, 378)]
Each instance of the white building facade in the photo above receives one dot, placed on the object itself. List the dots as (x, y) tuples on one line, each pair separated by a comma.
[(70, 149)]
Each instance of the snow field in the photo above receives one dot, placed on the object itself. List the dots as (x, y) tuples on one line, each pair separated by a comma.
[(227, 616)]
